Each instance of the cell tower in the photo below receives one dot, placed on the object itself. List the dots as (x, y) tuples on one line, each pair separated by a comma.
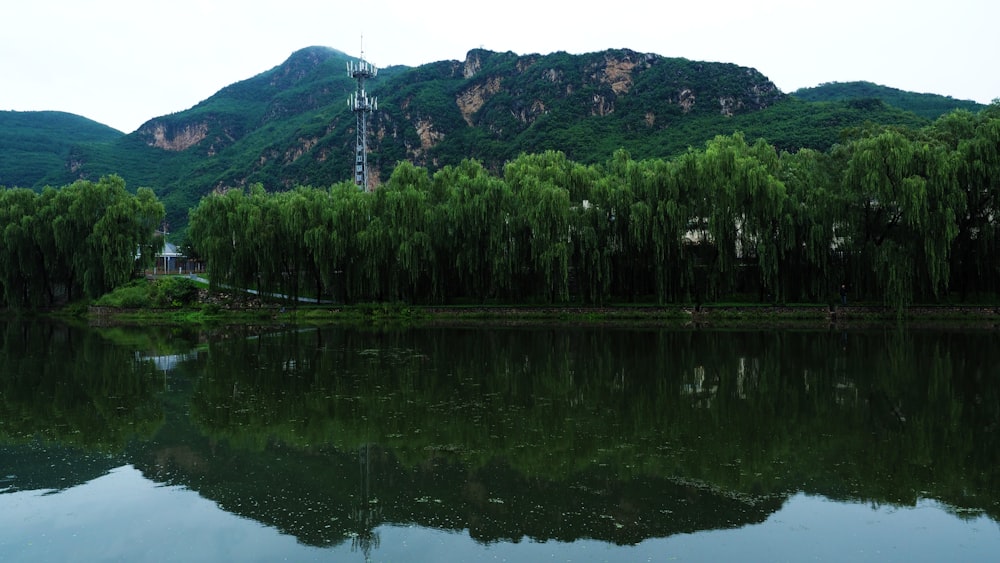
[(362, 106)]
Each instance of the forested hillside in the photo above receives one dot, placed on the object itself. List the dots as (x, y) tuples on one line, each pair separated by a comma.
[(291, 126), (930, 106), (35, 146)]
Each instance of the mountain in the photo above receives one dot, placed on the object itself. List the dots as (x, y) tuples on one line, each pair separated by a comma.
[(290, 125), (930, 106), (34, 144)]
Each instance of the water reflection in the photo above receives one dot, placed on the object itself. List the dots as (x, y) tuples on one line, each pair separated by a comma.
[(544, 434), (68, 386), (122, 516)]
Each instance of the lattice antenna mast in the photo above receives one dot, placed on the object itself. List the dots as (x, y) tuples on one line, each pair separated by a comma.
[(362, 105)]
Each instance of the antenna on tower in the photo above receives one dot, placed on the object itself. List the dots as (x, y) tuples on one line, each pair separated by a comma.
[(362, 105)]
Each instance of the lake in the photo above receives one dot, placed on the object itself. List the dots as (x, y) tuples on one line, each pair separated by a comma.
[(498, 443)]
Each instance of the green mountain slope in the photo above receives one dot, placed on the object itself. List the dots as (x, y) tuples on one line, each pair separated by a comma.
[(930, 106), (291, 125), (34, 144)]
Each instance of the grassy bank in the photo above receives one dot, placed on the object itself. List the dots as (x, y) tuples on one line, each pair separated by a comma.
[(179, 300), (260, 312)]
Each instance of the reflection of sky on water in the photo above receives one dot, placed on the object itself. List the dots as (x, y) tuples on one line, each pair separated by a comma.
[(168, 362), (811, 528), (122, 516)]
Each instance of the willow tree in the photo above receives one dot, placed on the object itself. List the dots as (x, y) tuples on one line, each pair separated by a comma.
[(97, 227), (746, 209), (541, 231), (811, 271), (245, 221), (547, 210), (402, 202), (22, 272), (671, 198), (216, 229), (477, 223), (55, 260), (590, 255), (628, 221), (902, 205), (649, 205), (302, 216), (535, 176), (975, 140), (126, 226), (698, 278), (75, 232), (61, 241), (554, 168), (279, 242), (83, 239), (349, 214)]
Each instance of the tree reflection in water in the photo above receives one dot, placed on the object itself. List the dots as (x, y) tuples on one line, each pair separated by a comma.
[(554, 433), (367, 515)]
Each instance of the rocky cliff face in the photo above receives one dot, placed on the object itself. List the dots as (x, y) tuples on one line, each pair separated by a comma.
[(170, 138), (505, 94), (501, 94), (474, 98)]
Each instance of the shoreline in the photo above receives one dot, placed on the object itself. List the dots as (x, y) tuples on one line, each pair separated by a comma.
[(639, 315)]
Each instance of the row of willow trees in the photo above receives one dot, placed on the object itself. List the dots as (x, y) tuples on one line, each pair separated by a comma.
[(78, 241), (899, 215)]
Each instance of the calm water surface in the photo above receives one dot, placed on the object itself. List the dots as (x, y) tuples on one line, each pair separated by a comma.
[(498, 444)]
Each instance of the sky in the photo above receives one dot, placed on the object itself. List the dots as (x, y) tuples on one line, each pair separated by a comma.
[(123, 62)]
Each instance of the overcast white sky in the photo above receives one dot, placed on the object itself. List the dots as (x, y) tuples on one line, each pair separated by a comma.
[(122, 62)]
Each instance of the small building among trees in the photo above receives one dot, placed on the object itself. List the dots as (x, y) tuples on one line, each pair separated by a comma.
[(171, 260), (167, 259)]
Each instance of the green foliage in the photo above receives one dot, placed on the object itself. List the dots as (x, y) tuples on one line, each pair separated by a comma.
[(34, 144), (175, 291), (792, 124), (62, 385), (165, 292), (884, 212), (928, 106), (704, 398), (902, 206), (84, 239), (136, 295)]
